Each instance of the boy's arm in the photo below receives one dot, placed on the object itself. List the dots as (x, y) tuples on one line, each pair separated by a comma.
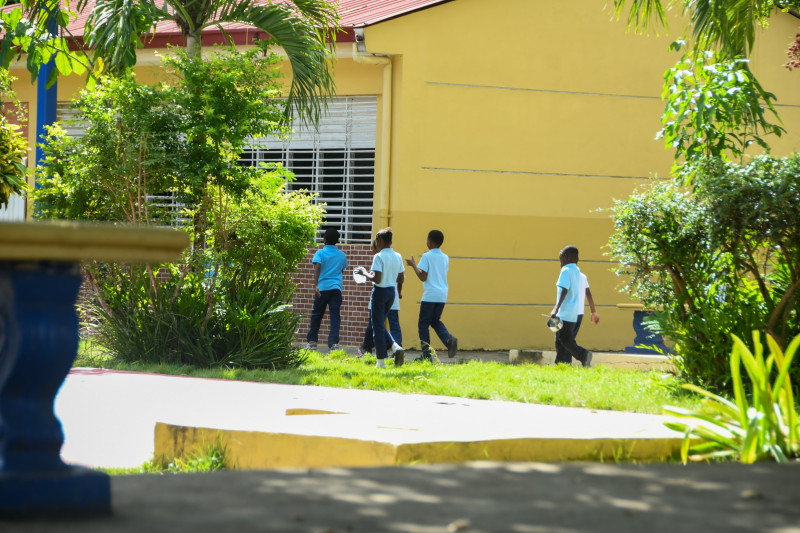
[(400, 279), (421, 274), (317, 270), (589, 298), (560, 301)]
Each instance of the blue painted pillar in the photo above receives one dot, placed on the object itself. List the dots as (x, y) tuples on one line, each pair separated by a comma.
[(38, 344), (46, 101)]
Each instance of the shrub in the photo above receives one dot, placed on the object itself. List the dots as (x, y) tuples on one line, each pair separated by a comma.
[(762, 425), (228, 303), (715, 253)]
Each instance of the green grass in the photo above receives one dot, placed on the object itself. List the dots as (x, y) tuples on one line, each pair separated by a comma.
[(208, 457), (595, 388)]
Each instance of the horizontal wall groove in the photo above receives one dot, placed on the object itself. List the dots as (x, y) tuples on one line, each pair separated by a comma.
[(535, 90), (533, 173), (505, 304), (526, 259)]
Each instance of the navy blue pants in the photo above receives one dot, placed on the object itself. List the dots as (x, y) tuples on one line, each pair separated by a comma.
[(382, 300), (566, 347), (332, 299), (430, 316), (394, 327)]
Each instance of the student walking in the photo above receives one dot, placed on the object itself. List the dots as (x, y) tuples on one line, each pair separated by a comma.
[(569, 285), (432, 272), (385, 273), (394, 337), (329, 262)]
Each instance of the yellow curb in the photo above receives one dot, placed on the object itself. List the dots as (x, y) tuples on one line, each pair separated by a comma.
[(252, 450)]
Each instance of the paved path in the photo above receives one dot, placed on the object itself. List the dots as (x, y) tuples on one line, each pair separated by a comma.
[(109, 419)]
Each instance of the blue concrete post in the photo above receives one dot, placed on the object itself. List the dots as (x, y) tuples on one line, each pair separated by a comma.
[(46, 100), (645, 342), (38, 344)]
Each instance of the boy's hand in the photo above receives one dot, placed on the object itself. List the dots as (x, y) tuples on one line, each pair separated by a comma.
[(595, 318), (554, 312), (316, 291), (410, 262)]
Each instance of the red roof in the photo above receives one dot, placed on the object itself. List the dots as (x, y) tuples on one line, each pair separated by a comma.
[(358, 13), (352, 14)]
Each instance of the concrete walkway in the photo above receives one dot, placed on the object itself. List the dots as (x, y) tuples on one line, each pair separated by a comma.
[(120, 419), (109, 419)]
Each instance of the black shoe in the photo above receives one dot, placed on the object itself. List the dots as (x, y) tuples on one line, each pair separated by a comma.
[(399, 357), (587, 359), (452, 347)]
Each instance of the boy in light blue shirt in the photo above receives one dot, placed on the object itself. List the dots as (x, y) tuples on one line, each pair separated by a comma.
[(432, 272), (329, 262), (567, 301)]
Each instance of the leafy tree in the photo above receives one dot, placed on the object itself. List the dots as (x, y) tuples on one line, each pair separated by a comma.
[(115, 29), (227, 304), (729, 26), (714, 108), (38, 30), (715, 252)]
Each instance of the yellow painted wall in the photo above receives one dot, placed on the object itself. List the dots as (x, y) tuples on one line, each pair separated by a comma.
[(514, 122)]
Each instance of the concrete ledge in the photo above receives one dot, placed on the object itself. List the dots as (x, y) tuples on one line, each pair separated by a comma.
[(79, 241), (253, 450), (657, 363)]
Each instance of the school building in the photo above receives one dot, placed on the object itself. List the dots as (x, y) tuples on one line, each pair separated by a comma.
[(509, 125)]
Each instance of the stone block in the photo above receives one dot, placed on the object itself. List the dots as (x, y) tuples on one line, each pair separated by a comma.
[(518, 357)]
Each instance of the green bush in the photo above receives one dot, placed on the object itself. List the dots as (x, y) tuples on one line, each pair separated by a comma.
[(228, 302), (715, 253)]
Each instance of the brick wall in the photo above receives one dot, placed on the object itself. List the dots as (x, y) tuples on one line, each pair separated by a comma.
[(355, 297)]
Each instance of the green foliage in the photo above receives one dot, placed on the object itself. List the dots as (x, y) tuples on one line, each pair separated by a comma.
[(761, 425), (204, 458), (714, 107), (227, 303), (131, 147), (37, 29), (715, 258), (301, 27), (13, 147)]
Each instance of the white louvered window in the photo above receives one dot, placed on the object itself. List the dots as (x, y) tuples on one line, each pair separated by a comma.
[(337, 162), (68, 119)]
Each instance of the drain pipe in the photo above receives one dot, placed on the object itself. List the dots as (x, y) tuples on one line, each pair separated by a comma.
[(384, 214)]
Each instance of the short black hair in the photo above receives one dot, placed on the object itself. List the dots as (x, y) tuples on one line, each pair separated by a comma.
[(570, 252), (331, 236), (436, 236), (385, 235)]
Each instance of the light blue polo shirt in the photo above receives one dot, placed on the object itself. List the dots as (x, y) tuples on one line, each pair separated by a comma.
[(389, 263), (570, 279), (436, 263), (331, 261)]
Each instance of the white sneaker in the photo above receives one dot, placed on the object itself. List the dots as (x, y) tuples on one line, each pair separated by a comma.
[(395, 348), (381, 363)]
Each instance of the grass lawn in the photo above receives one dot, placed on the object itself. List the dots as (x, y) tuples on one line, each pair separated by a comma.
[(596, 388)]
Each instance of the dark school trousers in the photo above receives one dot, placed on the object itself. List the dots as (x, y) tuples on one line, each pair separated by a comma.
[(382, 300), (430, 316), (394, 327), (566, 347), (332, 299)]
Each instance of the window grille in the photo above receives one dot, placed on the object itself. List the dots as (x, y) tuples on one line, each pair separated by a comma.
[(68, 118), (337, 162)]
